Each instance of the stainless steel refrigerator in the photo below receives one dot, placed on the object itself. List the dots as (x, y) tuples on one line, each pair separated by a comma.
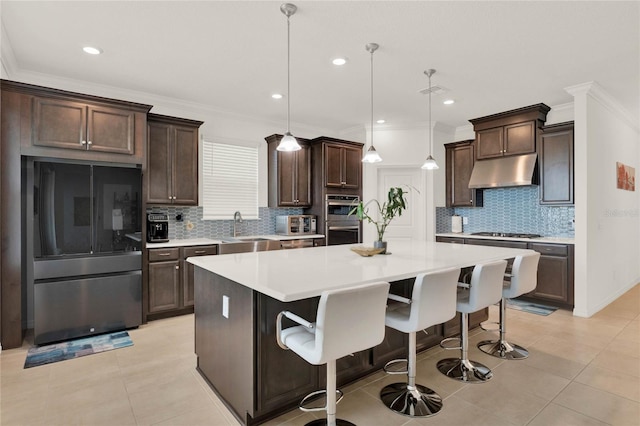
[(86, 249)]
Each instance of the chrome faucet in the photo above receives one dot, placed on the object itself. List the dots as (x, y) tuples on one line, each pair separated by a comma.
[(237, 218)]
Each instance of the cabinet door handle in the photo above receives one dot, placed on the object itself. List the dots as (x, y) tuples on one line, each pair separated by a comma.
[(83, 143), (89, 143), (177, 267), (200, 251), (164, 254)]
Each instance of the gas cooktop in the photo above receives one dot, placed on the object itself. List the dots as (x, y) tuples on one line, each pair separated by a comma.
[(506, 234)]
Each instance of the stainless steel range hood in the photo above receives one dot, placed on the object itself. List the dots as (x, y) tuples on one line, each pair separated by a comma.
[(515, 170)]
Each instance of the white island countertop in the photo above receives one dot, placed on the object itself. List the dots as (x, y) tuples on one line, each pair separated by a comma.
[(289, 275)]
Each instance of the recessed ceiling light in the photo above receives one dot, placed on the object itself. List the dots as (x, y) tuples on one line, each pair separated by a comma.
[(339, 61), (276, 96), (449, 101), (92, 50), (380, 121)]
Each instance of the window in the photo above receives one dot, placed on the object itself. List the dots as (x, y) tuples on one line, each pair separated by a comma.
[(229, 180)]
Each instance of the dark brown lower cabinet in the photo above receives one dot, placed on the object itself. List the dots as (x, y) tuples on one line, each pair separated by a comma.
[(555, 274), (164, 279), (171, 282)]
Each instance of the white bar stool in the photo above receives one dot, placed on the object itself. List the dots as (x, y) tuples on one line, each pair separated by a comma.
[(524, 278), (348, 320), (484, 290), (433, 301)]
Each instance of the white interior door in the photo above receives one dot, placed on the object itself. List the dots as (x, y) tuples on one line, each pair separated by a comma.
[(411, 224)]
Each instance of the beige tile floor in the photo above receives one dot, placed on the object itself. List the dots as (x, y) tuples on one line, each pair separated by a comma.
[(580, 372)]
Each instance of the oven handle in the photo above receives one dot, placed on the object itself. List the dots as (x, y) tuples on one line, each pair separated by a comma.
[(343, 228), (342, 203)]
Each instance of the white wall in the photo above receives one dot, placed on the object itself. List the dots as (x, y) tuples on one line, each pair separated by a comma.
[(408, 147), (607, 219)]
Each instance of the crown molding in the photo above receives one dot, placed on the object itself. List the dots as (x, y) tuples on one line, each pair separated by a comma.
[(7, 57), (161, 104), (598, 93)]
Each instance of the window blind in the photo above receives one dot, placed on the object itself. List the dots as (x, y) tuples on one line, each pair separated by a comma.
[(230, 180)]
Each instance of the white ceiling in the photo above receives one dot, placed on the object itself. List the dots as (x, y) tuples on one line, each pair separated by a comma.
[(493, 56)]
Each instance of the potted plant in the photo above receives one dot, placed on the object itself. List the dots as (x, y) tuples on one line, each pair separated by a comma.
[(389, 209)]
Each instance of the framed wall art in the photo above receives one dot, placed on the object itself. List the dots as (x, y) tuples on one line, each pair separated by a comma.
[(625, 177)]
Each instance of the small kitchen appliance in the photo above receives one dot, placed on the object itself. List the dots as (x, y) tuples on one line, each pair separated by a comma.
[(296, 224), (157, 228), (456, 224)]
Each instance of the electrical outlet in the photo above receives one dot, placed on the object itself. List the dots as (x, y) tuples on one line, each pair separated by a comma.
[(573, 223), (465, 220), (225, 306)]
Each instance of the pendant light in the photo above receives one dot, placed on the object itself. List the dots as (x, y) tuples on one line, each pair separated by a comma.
[(372, 155), (430, 163), (288, 142)]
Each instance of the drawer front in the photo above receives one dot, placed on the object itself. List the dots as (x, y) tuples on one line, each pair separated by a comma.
[(156, 255), (550, 249), (496, 243), (451, 240), (200, 251)]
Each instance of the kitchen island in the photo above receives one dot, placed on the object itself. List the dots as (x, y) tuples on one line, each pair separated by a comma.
[(237, 299)]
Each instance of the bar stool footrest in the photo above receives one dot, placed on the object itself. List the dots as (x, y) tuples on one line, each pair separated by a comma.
[(394, 362), (418, 401), (487, 324), (316, 395), (503, 349), (443, 343)]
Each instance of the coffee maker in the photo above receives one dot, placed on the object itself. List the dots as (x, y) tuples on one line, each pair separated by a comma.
[(157, 228)]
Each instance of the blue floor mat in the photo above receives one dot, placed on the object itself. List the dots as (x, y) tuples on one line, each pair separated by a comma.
[(76, 348)]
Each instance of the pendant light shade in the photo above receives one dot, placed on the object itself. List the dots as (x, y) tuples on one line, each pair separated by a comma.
[(288, 142), (371, 155), (430, 163)]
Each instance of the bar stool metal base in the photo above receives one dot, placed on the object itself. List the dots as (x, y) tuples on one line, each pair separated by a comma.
[(418, 401), (464, 370), (503, 349), (323, 422)]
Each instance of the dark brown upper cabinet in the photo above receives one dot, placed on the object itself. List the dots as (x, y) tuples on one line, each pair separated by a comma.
[(509, 133), (342, 163), (555, 159), (172, 161), (460, 158), (289, 174), (67, 124), (59, 124)]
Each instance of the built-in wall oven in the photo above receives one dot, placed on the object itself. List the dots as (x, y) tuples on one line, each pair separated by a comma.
[(340, 227)]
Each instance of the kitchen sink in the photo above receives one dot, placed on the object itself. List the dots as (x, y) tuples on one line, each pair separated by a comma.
[(241, 239), (249, 245)]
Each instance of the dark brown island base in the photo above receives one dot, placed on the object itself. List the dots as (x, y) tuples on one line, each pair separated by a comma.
[(238, 297)]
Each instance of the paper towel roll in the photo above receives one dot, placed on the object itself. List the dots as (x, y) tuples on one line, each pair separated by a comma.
[(456, 224), (116, 219)]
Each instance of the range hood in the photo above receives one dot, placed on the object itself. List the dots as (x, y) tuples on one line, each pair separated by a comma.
[(515, 170)]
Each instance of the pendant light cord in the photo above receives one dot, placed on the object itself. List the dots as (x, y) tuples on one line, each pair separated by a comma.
[(288, 76), (430, 127), (372, 50)]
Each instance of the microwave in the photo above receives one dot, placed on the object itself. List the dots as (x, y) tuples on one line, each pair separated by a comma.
[(299, 224)]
